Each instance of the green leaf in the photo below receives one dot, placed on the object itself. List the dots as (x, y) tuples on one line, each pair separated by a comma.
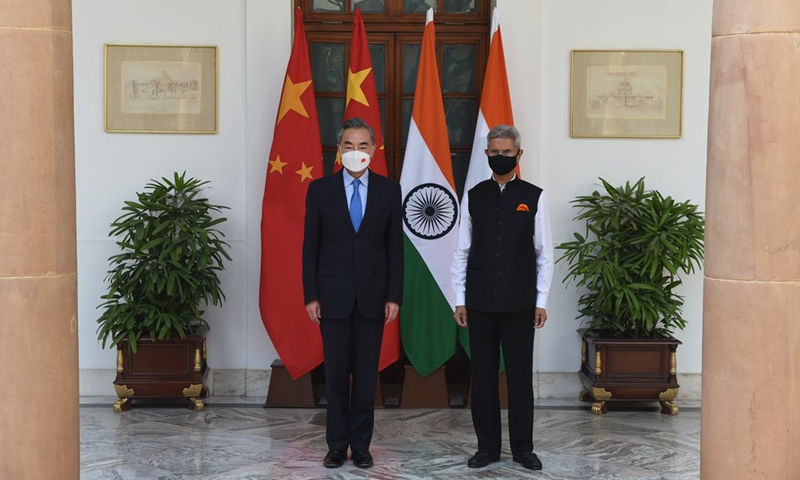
[(168, 264), (626, 265)]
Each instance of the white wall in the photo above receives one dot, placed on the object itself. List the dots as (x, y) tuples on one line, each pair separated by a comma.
[(254, 39), (567, 167)]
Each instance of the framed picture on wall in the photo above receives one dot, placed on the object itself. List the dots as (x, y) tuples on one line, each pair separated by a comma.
[(161, 88), (626, 93)]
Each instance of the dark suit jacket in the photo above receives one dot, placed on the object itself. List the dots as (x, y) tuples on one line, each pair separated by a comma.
[(342, 268)]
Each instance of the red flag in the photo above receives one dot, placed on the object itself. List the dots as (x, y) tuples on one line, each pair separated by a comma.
[(362, 102), (294, 160), (362, 94)]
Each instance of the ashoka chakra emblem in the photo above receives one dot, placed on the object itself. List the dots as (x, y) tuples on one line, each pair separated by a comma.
[(430, 211)]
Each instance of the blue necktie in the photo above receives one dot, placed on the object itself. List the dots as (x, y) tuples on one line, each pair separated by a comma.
[(355, 205)]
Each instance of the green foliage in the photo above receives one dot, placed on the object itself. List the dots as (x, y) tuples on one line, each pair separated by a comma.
[(628, 260), (171, 253)]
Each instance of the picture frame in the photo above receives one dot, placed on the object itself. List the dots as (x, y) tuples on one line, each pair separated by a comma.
[(161, 88), (626, 94)]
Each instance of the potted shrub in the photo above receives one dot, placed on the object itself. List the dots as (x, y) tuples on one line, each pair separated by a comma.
[(167, 269), (628, 261)]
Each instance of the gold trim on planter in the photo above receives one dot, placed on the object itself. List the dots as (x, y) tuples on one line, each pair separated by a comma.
[(193, 390), (198, 365), (120, 361), (671, 407), (118, 405), (668, 395), (673, 363), (205, 349), (597, 408), (601, 393), (123, 391), (197, 404), (583, 352), (597, 364)]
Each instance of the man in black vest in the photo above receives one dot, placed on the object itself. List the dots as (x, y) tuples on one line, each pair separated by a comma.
[(353, 285), (502, 270)]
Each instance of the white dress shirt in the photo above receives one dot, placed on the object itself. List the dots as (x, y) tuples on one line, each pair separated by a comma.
[(542, 244)]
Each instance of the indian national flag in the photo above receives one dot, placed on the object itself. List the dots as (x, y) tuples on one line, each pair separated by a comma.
[(430, 213), (495, 110)]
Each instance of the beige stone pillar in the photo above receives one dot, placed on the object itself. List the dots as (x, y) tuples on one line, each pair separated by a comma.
[(39, 437), (751, 337)]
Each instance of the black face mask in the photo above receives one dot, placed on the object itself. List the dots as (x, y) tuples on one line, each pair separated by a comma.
[(501, 165)]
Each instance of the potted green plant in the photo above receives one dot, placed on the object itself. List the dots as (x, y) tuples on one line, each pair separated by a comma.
[(171, 253), (628, 261)]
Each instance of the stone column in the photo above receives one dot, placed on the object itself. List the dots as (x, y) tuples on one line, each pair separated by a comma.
[(39, 437), (751, 335)]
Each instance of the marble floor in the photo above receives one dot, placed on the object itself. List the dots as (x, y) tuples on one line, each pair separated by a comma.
[(236, 440)]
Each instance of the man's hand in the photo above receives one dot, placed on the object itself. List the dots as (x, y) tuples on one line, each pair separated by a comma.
[(391, 310), (461, 315), (314, 311), (539, 317)]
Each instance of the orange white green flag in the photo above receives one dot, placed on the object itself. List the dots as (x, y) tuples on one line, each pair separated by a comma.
[(495, 110), (294, 160), (430, 213), (362, 102)]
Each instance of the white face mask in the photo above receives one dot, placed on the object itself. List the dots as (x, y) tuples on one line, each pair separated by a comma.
[(355, 160)]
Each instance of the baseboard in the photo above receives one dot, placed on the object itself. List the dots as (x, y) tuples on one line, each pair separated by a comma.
[(222, 382), (255, 383), (239, 383), (567, 385), (97, 383)]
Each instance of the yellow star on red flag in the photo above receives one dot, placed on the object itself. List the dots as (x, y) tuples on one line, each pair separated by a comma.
[(291, 98), (354, 90), (296, 137), (305, 172), (277, 165)]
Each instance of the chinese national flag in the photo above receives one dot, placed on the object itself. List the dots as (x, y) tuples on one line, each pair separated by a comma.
[(362, 102), (294, 160)]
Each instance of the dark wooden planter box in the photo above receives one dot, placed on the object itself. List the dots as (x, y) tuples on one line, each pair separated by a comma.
[(628, 370), (166, 369)]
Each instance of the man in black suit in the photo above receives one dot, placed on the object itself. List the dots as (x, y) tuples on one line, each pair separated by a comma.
[(502, 270), (353, 285)]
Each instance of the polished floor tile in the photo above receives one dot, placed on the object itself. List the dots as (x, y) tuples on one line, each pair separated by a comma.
[(230, 441)]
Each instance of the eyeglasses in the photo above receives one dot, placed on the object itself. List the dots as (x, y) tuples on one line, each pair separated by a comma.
[(505, 153)]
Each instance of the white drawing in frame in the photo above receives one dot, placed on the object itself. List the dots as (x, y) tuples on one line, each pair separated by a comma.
[(626, 91), (155, 87)]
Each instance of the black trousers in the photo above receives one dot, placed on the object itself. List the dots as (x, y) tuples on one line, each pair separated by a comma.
[(351, 347), (487, 331)]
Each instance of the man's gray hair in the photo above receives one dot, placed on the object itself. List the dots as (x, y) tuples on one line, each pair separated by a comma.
[(504, 131), (354, 123)]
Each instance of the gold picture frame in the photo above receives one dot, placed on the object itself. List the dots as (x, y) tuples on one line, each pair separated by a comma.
[(626, 94), (161, 88)]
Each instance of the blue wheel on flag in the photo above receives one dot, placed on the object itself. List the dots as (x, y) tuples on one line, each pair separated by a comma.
[(430, 211)]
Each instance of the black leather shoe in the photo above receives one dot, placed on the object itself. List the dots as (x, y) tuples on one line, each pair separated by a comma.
[(334, 459), (481, 459), (529, 461), (362, 458)]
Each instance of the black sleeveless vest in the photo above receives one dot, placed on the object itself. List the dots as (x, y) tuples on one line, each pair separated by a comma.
[(501, 269)]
